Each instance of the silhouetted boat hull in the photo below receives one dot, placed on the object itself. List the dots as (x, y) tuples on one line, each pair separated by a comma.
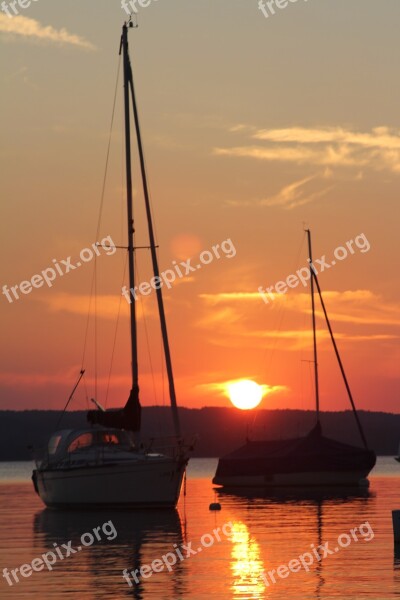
[(313, 460)]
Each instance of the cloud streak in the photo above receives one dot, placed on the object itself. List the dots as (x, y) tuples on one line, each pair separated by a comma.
[(222, 387), (108, 306), (357, 316), (327, 146), (349, 306), (295, 194), (31, 29)]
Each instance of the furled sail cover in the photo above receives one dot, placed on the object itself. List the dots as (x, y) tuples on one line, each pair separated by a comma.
[(311, 453), (128, 418)]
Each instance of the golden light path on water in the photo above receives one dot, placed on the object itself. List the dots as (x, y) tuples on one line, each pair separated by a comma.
[(247, 565)]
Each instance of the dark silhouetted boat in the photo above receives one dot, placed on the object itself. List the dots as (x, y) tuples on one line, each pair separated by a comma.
[(312, 460)]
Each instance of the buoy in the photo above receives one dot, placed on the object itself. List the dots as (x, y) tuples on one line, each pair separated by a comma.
[(217, 506), (396, 525)]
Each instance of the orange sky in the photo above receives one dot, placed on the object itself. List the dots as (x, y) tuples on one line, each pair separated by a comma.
[(252, 127)]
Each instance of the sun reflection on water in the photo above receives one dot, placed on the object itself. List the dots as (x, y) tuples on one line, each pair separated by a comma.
[(247, 565)]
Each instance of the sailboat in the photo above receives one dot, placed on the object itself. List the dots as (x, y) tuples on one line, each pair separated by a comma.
[(107, 464), (312, 460)]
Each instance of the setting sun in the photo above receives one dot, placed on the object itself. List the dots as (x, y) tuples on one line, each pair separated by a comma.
[(245, 394)]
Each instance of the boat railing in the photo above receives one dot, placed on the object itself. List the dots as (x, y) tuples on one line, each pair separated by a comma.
[(40, 456), (170, 445)]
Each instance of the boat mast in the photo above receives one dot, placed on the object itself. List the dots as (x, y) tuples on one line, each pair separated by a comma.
[(156, 270), (127, 70), (314, 326), (346, 383), (314, 279)]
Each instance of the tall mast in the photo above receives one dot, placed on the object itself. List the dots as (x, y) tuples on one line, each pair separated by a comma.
[(164, 332), (360, 429), (127, 70), (313, 324)]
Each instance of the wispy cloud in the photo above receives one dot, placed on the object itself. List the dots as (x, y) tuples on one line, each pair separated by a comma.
[(229, 296), (32, 29), (107, 306), (240, 127), (326, 146), (17, 379), (226, 316), (295, 194), (66, 377), (356, 315), (380, 137), (222, 387), (350, 306), (307, 335)]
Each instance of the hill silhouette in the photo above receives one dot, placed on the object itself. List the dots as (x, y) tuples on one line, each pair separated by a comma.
[(219, 430)]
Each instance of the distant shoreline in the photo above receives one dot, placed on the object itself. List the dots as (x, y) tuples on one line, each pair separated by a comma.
[(218, 430)]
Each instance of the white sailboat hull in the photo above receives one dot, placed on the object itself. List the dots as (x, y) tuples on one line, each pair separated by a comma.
[(148, 482)]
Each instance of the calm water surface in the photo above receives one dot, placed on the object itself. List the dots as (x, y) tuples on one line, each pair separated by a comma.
[(266, 533)]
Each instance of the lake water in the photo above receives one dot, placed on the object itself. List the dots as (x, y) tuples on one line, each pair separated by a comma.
[(264, 534)]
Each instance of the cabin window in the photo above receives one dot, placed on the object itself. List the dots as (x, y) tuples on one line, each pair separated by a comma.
[(84, 440), (109, 438)]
